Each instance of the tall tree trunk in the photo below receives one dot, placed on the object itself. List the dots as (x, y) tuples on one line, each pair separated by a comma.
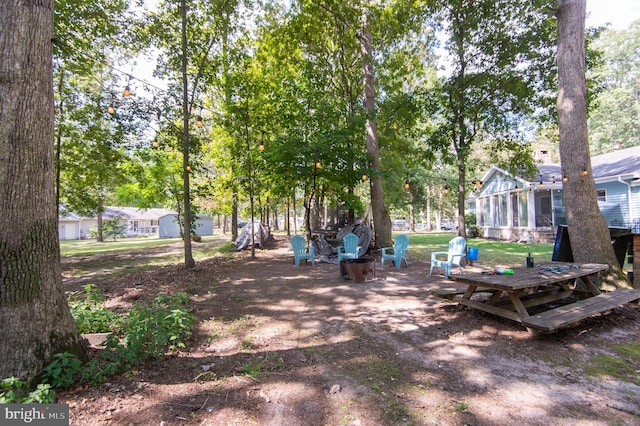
[(188, 256), (462, 226), (234, 217), (34, 315), (381, 219), (588, 231)]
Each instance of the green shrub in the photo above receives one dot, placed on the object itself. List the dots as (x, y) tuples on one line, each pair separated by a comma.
[(61, 371), (149, 331), (16, 391), (90, 315), (146, 333), (473, 230)]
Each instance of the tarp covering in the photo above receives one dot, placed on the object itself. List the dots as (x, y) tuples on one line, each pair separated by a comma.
[(262, 235), (364, 233), (328, 252)]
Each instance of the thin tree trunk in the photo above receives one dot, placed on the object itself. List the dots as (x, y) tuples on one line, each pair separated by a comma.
[(234, 217), (588, 231), (34, 315), (188, 256)]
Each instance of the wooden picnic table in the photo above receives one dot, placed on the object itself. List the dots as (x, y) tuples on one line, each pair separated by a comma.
[(548, 282)]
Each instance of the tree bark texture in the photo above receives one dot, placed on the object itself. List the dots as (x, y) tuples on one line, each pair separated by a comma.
[(588, 230), (381, 219), (189, 263), (34, 315)]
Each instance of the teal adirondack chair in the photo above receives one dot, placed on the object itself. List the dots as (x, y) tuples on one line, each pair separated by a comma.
[(396, 254), (349, 248), (455, 255), (301, 251)]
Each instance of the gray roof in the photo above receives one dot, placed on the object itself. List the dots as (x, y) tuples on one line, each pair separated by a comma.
[(612, 164), (617, 163)]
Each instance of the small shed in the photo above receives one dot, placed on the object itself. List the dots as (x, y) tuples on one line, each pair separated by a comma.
[(169, 226)]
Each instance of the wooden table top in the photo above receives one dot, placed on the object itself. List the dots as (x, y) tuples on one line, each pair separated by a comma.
[(523, 277)]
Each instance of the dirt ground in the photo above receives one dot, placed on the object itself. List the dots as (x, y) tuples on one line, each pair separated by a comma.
[(280, 345)]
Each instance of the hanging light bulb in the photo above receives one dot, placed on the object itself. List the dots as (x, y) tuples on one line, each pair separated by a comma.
[(445, 191), (188, 168), (261, 147), (584, 172), (127, 92), (565, 179), (199, 119), (111, 109), (318, 164), (364, 177), (406, 184), (155, 143)]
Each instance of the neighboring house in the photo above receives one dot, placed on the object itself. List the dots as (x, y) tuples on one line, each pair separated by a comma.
[(509, 207), (70, 226), (139, 222)]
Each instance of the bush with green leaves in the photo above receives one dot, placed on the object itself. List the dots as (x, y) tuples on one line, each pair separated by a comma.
[(473, 230), (61, 371), (149, 331), (15, 391), (90, 315)]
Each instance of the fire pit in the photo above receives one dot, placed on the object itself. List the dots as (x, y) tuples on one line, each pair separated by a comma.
[(358, 270)]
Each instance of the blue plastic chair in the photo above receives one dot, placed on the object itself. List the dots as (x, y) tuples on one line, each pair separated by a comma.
[(301, 251), (349, 248), (397, 252), (455, 255)]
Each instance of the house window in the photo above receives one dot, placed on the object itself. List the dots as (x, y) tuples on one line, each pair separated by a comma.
[(601, 195), (524, 211), (502, 210), (514, 210), (154, 222)]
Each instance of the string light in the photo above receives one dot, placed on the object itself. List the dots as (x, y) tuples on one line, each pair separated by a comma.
[(364, 177), (565, 179), (406, 184), (155, 143), (111, 109), (584, 172), (445, 191), (199, 119), (127, 89), (261, 147), (318, 164)]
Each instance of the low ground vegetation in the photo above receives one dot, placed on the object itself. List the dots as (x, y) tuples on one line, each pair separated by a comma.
[(256, 341)]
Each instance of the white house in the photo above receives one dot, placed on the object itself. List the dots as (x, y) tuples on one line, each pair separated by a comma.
[(72, 226), (510, 207)]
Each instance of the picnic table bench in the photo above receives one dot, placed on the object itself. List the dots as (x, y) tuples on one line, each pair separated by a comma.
[(530, 287), (561, 316)]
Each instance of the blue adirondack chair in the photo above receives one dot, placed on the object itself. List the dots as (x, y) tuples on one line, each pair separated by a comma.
[(397, 252), (301, 251), (455, 255), (349, 248)]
